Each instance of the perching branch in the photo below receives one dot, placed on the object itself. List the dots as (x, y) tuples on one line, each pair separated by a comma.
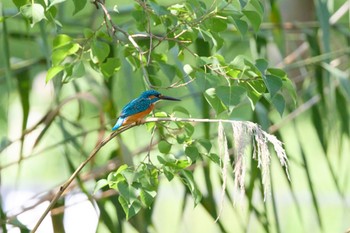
[(260, 137)]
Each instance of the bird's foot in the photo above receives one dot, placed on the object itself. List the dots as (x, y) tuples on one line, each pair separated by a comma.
[(140, 122)]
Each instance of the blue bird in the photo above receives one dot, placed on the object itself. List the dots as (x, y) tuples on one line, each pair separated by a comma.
[(140, 107)]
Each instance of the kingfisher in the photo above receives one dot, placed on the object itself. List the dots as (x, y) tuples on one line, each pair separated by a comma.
[(138, 108)]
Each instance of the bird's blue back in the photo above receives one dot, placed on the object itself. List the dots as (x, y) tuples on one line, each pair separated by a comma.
[(140, 104), (136, 106)]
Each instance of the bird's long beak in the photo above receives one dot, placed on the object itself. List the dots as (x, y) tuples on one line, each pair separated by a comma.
[(163, 97)]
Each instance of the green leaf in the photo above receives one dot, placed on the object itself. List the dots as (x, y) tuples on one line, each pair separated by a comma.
[(34, 12), (181, 138), (61, 40), (181, 110), (99, 51), (254, 18), (88, 33), (252, 67), (342, 111), (55, 2), (273, 84), (164, 147), (255, 89), (345, 87), (122, 168), (60, 54), (216, 24), (241, 26), (53, 71), (214, 101), (205, 143), (124, 190), (158, 9), (287, 84), (100, 184), (192, 153), (181, 164), (279, 103), (231, 96), (24, 87), (215, 158), (189, 129), (207, 36), (130, 209), (168, 173), (187, 178), (78, 70), (110, 66), (20, 3), (78, 5), (161, 114), (262, 65), (147, 198)]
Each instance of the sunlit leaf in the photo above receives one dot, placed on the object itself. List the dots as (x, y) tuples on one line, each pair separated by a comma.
[(100, 184), (61, 40), (60, 54), (35, 12), (53, 71)]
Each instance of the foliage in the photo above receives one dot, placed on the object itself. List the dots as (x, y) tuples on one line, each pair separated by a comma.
[(216, 57)]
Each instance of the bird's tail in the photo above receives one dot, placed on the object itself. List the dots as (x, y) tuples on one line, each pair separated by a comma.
[(119, 123)]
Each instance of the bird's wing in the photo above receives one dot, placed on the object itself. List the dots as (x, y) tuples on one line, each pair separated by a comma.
[(135, 106)]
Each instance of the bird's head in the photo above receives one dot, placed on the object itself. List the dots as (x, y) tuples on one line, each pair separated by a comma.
[(155, 96)]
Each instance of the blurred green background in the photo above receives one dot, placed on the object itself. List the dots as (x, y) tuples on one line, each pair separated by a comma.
[(310, 40)]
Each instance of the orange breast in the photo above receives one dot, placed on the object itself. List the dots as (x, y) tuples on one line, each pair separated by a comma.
[(138, 116)]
